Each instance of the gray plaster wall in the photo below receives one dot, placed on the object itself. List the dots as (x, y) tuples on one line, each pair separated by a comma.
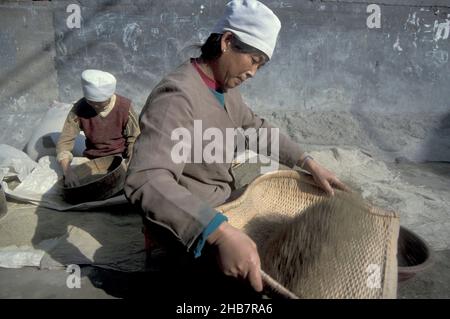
[(28, 78), (332, 80)]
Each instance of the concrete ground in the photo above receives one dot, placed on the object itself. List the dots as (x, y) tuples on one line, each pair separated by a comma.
[(100, 283), (97, 283)]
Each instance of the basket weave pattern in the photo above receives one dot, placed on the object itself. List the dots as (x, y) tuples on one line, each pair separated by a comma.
[(365, 253)]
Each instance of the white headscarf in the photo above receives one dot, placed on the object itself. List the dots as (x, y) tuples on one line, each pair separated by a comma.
[(252, 22), (98, 86)]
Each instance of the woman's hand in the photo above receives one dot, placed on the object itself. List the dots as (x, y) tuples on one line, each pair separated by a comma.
[(237, 254), (70, 178), (324, 178)]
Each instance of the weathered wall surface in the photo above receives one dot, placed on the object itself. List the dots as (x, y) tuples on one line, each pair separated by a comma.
[(28, 79), (332, 81)]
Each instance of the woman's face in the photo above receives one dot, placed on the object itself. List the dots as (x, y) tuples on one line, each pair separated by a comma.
[(99, 106), (233, 68)]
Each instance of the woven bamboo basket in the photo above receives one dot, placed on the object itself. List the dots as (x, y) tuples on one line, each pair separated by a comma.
[(370, 271)]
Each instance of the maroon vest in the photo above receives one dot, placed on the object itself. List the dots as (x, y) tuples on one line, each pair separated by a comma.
[(104, 136)]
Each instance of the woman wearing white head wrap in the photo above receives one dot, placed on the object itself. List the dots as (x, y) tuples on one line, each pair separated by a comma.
[(181, 196), (98, 86), (107, 120)]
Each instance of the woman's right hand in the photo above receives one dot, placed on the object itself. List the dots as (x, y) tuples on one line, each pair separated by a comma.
[(70, 178), (237, 254)]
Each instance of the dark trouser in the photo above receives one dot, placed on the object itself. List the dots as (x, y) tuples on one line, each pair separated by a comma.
[(200, 277)]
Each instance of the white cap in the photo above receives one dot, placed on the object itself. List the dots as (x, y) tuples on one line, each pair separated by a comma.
[(252, 22), (98, 86)]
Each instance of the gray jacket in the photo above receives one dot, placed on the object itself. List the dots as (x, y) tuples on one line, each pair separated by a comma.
[(181, 196)]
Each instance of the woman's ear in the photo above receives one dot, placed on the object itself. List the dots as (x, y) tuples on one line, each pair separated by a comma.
[(225, 41)]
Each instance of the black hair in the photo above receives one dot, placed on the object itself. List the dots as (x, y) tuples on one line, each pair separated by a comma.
[(211, 49)]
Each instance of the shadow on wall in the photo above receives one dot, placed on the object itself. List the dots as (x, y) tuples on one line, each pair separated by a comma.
[(438, 143)]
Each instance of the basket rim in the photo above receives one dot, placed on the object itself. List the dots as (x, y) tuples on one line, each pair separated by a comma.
[(120, 166), (302, 177), (276, 174)]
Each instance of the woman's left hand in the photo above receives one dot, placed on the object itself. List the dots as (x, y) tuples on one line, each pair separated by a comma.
[(324, 178)]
